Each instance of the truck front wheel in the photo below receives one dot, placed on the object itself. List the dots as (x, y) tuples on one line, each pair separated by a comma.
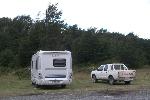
[(94, 79), (111, 80)]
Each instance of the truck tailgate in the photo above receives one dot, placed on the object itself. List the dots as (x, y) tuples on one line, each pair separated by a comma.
[(127, 73)]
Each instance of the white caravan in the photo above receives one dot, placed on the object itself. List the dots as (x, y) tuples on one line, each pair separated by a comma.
[(51, 68)]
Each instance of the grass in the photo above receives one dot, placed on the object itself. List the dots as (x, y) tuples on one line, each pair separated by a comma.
[(12, 85)]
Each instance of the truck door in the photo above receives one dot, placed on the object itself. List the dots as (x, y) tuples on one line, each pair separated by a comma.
[(99, 74), (105, 72)]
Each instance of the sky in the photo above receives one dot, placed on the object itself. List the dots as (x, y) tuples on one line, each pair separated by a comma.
[(122, 16)]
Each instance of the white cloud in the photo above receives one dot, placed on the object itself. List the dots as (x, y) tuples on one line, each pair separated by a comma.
[(13, 8), (116, 15)]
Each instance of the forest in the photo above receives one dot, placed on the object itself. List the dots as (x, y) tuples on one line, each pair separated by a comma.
[(22, 36)]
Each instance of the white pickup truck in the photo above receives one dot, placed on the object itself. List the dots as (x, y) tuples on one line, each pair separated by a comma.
[(113, 73)]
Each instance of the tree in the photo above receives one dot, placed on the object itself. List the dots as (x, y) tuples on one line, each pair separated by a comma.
[(22, 25), (7, 58), (5, 23), (86, 48), (70, 34), (52, 14), (21, 37), (52, 38)]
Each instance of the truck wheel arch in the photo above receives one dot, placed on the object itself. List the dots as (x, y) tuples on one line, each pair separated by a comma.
[(111, 79), (93, 75), (95, 80), (110, 76)]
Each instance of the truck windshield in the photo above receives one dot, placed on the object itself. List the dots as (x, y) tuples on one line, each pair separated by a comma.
[(59, 62)]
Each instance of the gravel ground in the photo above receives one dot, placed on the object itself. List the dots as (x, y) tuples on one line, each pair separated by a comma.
[(86, 95)]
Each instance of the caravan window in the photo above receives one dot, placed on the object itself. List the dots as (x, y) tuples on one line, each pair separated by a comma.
[(36, 64), (59, 62), (31, 64)]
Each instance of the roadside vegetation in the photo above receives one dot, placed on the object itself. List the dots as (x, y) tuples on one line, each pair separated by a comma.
[(11, 84)]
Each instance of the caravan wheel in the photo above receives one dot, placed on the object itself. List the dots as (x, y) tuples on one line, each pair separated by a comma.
[(35, 85), (63, 86)]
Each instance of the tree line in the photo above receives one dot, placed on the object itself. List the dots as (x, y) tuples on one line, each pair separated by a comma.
[(22, 36)]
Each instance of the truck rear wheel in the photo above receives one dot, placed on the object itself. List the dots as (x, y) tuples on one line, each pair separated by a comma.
[(127, 82), (111, 80), (94, 79), (63, 86)]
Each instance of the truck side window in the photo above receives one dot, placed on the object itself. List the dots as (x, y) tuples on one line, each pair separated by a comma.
[(122, 67), (100, 68), (112, 67), (117, 67), (106, 67)]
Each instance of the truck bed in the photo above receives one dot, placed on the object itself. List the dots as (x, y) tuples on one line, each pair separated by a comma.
[(127, 73)]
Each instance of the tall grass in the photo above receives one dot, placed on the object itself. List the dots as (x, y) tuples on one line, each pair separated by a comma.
[(18, 83)]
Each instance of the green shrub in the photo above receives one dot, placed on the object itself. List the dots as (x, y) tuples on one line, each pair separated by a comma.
[(23, 73)]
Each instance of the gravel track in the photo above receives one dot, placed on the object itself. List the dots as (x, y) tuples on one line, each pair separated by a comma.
[(86, 95)]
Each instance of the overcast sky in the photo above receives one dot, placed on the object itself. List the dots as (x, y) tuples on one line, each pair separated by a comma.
[(122, 16)]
